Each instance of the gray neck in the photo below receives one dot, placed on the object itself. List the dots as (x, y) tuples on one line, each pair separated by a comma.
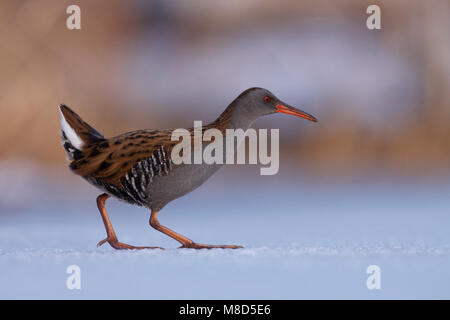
[(236, 116), (241, 118)]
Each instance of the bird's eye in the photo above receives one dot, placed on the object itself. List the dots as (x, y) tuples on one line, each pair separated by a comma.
[(266, 99)]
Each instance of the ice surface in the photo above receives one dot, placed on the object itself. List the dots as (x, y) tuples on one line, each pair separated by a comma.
[(302, 240)]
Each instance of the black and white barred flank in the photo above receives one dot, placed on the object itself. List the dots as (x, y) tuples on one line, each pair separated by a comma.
[(134, 185)]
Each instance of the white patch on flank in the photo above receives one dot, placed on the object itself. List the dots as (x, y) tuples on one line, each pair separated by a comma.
[(71, 135)]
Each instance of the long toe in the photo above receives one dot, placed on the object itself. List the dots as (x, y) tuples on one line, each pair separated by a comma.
[(210, 246), (139, 248), (123, 246), (102, 242)]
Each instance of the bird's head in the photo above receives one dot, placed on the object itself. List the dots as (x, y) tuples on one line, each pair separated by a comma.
[(259, 101)]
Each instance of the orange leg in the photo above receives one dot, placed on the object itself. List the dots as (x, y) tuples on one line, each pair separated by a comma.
[(111, 235), (186, 242)]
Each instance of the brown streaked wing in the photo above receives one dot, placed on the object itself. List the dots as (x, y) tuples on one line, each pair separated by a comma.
[(110, 161)]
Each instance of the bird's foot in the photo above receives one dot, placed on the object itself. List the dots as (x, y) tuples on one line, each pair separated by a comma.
[(123, 246), (194, 245)]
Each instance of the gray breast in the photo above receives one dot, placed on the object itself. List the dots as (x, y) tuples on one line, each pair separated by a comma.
[(181, 179)]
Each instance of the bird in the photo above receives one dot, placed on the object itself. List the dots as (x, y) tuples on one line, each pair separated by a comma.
[(137, 166)]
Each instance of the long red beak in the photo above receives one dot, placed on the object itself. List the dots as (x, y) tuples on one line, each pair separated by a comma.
[(296, 112)]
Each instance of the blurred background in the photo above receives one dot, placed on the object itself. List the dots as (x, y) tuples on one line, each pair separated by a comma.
[(382, 98)]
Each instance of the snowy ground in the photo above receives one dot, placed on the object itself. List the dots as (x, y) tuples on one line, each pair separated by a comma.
[(302, 240)]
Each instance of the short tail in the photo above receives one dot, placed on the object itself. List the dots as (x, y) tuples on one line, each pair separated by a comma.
[(76, 134)]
